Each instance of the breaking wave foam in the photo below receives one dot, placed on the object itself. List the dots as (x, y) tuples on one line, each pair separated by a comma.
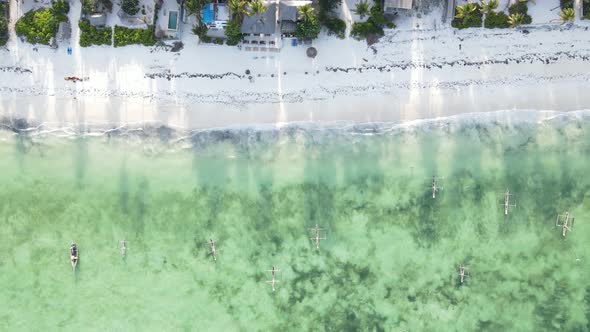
[(154, 130)]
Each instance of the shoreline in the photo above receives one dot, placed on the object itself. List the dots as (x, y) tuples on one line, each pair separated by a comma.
[(167, 133), (424, 78), (393, 107)]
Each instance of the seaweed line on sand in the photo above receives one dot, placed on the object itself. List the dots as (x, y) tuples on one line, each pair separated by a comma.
[(526, 58)]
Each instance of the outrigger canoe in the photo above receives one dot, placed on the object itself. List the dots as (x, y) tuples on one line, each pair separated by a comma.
[(75, 79), (74, 256)]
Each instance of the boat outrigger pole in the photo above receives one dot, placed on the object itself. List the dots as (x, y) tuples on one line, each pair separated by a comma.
[(316, 235), (463, 273), (507, 204), (213, 252), (435, 187), (273, 273), (567, 223), (123, 248)]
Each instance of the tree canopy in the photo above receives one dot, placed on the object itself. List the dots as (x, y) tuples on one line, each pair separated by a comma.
[(489, 6), (237, 8), (256, 7), (362, 9), (305, 12), (567, 15), (39, 26), (130, 7), (515, 20)]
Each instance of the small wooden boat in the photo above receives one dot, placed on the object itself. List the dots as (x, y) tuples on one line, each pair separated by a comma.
[(123, 248), (75, 79), (74, 256)]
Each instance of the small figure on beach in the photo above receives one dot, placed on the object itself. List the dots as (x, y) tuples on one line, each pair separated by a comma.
[(123, 248), (566, 225), (73, 255)]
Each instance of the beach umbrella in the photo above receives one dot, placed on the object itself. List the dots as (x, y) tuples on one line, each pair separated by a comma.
[(311, 52)]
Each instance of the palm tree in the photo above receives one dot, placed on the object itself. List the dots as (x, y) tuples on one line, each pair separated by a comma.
[(515, 20), (489, 6), (256, 7), (465, 10), (305, 12), (362, 9), (567, 15), (237, 8)]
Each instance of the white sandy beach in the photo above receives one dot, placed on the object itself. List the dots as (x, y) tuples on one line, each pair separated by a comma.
[(408, 75)]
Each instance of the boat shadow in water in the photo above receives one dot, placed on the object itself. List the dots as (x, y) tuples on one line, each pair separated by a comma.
[(77, 271)]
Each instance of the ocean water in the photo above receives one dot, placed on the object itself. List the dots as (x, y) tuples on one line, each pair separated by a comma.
[(390, 258)]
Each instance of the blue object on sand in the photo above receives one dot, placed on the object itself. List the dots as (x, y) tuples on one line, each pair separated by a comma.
[(208, 14)]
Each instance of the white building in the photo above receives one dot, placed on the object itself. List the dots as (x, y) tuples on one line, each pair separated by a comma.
[(394, 5)]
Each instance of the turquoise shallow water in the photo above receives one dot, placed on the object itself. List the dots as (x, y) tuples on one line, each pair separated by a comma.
[(390, 258)]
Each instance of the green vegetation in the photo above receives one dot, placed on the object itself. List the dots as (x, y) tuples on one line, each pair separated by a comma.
[(373, 27), (88, 7), (362, 9), (195, 7), (127, 36), (335, 26), (237, 8), (521, 8), (130, 7), (468, 15), (61, 9), (515, 20), (305, 12), (327, 18), (586, 9), (3, 23), (3, 30), (201, 31), (327, 8), (108, 5), (308, 26), (488, 7), (566, 4), (39, 26), (493, 19), (567, 15), (496, 20), (233, 32), (91, 35), (256, 7)]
